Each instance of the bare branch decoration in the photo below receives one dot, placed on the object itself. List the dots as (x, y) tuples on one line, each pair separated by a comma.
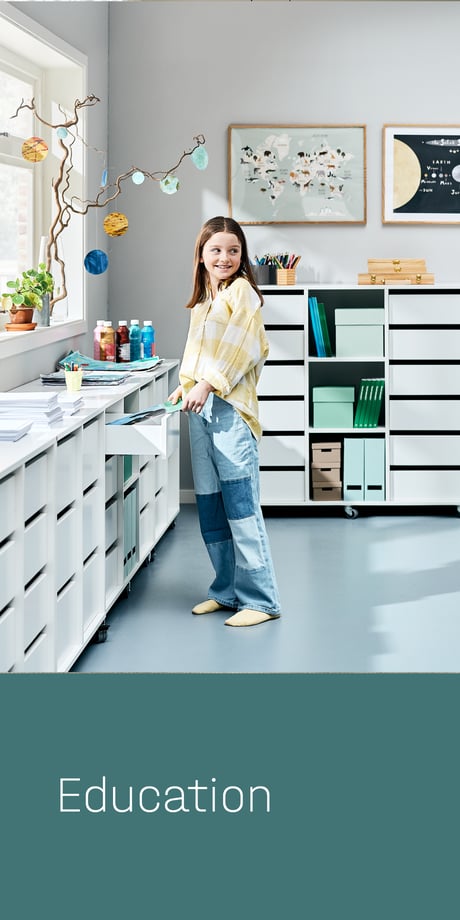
[(67, 205)]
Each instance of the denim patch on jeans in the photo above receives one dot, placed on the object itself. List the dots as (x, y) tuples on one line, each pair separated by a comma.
[(238, 499), (213, 521)]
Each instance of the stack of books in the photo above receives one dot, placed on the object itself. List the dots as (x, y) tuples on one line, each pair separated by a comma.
[(320, 328), (36, 408), (369, 403)]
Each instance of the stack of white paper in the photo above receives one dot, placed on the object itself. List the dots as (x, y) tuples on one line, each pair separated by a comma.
[(12, 430), (37, 408), (70, 403)]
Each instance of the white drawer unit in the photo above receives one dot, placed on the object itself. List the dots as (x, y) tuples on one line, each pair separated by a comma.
[(282, 380), (437, 487), (8, 506), (424, 396), (68, 471), (282, 487), (419, 309), (282, 308), (424, 379), (36, 484), (91, 452), (63, 529), (286, 344), (424, 344), (425, 450), (425, 414), (282, 450), (156, 435), (7, 639), (282, 414), (419, 416)]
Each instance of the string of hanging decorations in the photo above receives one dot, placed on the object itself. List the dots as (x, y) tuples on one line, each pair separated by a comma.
[(35, 150)]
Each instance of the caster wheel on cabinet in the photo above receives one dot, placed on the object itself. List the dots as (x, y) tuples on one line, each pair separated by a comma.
[(351, 512)]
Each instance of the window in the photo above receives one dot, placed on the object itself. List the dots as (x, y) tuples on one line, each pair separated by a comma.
[(18, 231), (34, 64)]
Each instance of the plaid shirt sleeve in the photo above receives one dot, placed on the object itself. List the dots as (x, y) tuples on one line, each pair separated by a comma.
[(227, 339)]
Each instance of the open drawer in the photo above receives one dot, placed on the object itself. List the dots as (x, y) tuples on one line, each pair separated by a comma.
[(153, 434)]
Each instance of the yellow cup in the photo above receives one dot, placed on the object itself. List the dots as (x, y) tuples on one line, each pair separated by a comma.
[(73, 380)]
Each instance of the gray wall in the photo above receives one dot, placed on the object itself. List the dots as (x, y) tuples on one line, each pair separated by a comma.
[(180, 68)]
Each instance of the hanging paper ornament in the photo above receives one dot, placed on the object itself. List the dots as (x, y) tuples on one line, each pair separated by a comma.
[(96, 262), (169, 185), (200, 157), (62, 133), (115, 224), (34, 149), (104, 179), (138, 177)]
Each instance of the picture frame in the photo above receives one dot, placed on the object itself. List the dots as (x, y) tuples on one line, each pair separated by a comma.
[(297, 174), (421, 174)]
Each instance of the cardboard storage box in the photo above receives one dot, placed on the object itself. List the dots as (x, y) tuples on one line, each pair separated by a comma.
[(326, 453), (333, 407), (325, 476), (327, 493), (326, 464), (359, 333)]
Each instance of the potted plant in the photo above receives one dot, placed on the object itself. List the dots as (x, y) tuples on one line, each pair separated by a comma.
[(30, 294)]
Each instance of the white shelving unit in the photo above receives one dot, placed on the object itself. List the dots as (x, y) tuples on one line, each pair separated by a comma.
[(83, 506), (420, 418)]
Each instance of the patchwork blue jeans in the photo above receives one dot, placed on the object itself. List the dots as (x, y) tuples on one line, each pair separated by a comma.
[(225, 469)]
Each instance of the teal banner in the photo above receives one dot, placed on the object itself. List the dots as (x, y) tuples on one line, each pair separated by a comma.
[(226, 796)]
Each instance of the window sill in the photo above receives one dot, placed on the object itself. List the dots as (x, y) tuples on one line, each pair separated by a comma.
[(17, 343)]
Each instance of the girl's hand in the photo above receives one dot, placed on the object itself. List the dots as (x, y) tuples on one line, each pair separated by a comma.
[(196, 398), (175, 396)]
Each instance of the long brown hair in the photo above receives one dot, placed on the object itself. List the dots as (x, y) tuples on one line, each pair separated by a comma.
[(200, 275)]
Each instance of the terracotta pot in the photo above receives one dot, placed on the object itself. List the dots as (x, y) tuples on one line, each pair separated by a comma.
[(22, 315)]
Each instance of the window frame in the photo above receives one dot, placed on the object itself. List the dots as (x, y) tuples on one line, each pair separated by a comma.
[(36, 49)]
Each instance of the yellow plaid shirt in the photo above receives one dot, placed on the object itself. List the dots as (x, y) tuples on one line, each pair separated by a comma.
[(227, 346)]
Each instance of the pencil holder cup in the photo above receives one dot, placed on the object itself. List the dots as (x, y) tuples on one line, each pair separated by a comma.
[(73, 380), (285, 276), (264, 274)]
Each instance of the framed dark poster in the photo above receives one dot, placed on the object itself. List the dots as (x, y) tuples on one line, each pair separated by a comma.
[(421, 174)]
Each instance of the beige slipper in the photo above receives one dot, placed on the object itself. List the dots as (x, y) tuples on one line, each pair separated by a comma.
[(208, 607), (249, 617)]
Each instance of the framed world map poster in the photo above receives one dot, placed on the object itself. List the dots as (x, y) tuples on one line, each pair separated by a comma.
[(421, 174), (296, 174)]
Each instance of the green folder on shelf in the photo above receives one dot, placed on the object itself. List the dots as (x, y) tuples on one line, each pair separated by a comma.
[(369, 402), (324, 328)]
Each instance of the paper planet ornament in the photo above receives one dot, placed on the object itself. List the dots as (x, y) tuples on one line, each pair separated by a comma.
[(200, 157), (138, 177), (62, 133), (96, 262), (169, 185), (34, 149), (115, 224)]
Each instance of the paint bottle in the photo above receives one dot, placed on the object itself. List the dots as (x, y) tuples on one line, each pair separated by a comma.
[(107, 342), (148, 340), (122, 348), (134, 340), (97, 339)]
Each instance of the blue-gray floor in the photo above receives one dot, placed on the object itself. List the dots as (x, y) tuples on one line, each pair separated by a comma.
[(380, 593)]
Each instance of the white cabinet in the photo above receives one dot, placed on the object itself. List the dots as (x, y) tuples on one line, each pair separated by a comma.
[(416, 441), (78, 519)]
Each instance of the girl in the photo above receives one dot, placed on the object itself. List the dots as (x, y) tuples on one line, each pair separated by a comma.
[(223, 358)]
